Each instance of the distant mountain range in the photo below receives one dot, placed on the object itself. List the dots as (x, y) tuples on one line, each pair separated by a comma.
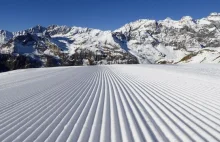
[(144, 41)]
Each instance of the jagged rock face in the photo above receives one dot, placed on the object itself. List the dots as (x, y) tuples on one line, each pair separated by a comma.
[(58, 30), (28, 43), (37, 30), (149, 41), (5, 36)]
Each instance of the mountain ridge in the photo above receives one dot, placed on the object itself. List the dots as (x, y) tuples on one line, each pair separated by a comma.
[(143, 41)]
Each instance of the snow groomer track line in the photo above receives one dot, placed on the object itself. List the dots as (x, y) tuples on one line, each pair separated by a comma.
[(119, 103)]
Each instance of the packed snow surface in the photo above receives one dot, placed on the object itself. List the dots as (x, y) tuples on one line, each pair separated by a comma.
[(118, 103)]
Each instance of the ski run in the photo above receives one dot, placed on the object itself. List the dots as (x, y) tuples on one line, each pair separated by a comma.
[(118, 103)]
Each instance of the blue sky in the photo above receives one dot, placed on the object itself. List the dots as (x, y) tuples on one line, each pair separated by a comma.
[(102, 14)]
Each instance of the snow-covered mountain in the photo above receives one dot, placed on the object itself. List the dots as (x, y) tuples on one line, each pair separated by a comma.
[(170, 40), (149, 41)]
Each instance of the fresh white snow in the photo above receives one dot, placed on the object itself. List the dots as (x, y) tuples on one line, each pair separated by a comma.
[(111, 103)]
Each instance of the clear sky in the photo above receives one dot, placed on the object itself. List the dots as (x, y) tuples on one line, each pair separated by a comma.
[(102, 14)]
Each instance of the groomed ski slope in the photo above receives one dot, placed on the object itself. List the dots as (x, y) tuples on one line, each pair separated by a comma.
[(118, 103)]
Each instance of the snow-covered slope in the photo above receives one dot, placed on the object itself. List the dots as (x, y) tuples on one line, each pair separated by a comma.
[(119, 103), (149, 41)]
